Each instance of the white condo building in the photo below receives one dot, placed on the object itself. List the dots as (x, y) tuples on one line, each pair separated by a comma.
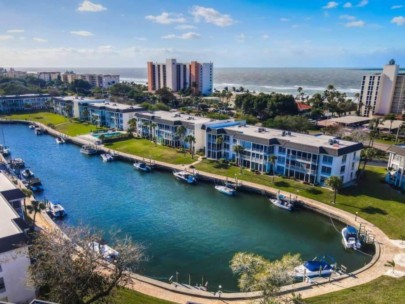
[(383, 93)]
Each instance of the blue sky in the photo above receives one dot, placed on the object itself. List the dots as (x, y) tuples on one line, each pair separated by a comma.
[(230, 33)]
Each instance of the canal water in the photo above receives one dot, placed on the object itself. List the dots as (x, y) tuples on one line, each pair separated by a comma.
[(186, 229)]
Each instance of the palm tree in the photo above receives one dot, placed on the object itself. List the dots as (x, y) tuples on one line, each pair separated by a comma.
[(153, 127), (400, 129), (390, 264), (191, 140), (132, 124), (367, 155), (238, 149), (273, 159), (27, 193), (35, 207), (391, 117), (335, 182), (181, 132), (219, 141)]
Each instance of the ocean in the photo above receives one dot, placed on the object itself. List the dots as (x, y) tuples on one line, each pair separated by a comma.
[(280, 80)]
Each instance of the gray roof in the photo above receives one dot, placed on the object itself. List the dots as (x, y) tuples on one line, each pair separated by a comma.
[(397, 149), (12, 242), (13, 194)]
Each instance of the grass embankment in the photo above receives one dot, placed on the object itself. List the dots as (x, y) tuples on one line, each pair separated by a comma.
[(127, 296), (60, 123), (146, 148), (374, 201), (379, 291)]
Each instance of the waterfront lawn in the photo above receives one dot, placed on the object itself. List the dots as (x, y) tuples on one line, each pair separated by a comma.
[(127, 296), (374, 200), (145, 148), (379, 291)]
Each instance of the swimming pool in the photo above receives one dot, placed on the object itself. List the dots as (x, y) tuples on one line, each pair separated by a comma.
[(106, 134)]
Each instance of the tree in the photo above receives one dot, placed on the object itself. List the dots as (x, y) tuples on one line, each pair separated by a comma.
[(335, 182), (28, 194), (153, 128), (35, 207), (390, 264), (219, 141), (258, 274), (165, 95), (367, 155), (391, 117), (181, 132), (191, 140), (238, 149), (273, 160), (80, 87), (132, 124), (101, 138), (73, 268)]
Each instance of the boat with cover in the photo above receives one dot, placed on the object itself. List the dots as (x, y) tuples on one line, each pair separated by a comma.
[(104, 250), (59, 140), (107, 157), (142, 166), (4, 150), (282, 202), (17, 163), (55, 210), (225, 190), (32, 126), (185, 176), (27, 173), (89, 150), (323, 266), (350, 238), (38, 131), (35, 185)]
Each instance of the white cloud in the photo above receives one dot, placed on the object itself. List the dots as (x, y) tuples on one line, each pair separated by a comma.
[(358, 23), (241, 37), (87, 6), (6, 37), (331, 4), (16, 31), (185, 27), (36, 39), (167, 18), (82, 33), (211, 15), (348, 5), (185, 36), (400, 20), (397, 6), (141, 38), (284, 19), (265, 36), (362, 3), (347, 17)]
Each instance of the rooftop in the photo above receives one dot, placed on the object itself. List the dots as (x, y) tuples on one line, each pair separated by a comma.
[(7, 214), (176, 116), (24, 95), (5, 183), (397, 149), (118, 106), (346, 120)]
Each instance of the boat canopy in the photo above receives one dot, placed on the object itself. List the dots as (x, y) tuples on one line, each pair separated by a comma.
[(351, 230), (316, 265)]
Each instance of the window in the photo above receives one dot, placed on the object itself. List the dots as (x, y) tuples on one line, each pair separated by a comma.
[(342, 169), (281, 150), (327, 159), (2, 285), (344, 158), (326, 170)]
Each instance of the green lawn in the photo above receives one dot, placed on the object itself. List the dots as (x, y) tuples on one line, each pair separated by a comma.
[(373, 200), (379, 291), (61, 123), (146, 148), (127, 296)]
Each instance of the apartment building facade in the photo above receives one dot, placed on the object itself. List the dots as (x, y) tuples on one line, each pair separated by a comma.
[(25, 102), (49, 76), (180, 76), (396, 166), (104, 81), (383, 93)]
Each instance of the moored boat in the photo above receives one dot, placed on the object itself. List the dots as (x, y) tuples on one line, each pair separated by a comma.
[(350, 238), (55, 210), (4, 150), (282, 202), (27, 174), (323, 266), (107, 157), (39, 131), (88, 149), (17, 163), (185, 176), (104, 250), (35, 185), (59, 140), (142, 166), (32, 126), (225, 190)]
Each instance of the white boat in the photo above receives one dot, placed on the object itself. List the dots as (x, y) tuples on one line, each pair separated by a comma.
[(185, 176), (225, 190), (32, 126), (38, 131), (4, 150), (27, 173), (350, 238), (17, 163), (107, 157), (59, 140), (317, 267), (282, 202), (89, 150), (55, 210), (142, 166), (104, 250)]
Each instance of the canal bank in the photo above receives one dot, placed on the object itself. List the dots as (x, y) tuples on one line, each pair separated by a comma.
[(258, 188)]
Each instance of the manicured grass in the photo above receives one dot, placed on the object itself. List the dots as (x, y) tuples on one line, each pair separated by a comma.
[(146, 148), (127, 296), (379, 291), (375, 201), (61, 123)]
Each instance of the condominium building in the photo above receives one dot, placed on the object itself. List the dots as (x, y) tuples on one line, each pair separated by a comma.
[(49, 76), (180, 76), (96, 80), (73, 106), (14, 256), (309, 158), (12, 73), (26, 102), (396, 166), (383, 93)]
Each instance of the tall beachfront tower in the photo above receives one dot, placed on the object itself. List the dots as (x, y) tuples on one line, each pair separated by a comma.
[(178, 76), (383, 93)]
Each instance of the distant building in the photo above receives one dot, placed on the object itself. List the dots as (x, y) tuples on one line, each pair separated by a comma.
[(95, 80), (16, 74), (49, 76), (303, 107), (26, 102), (180, 76), (14, 256), (383, 93), (396, 166), (3, 72)]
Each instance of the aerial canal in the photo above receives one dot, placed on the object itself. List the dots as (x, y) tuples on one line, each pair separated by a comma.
[(189, 229)]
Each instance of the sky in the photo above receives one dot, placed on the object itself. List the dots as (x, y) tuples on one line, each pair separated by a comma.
[(229, 33)]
